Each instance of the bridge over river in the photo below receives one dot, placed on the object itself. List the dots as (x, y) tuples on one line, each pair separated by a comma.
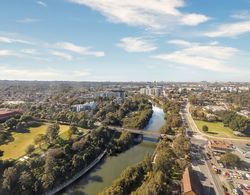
[(147, 133)]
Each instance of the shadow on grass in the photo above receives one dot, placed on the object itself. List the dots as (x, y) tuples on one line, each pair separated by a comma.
[(212, 133)]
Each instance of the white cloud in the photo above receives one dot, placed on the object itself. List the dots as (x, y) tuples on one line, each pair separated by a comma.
[(242, 15), (208, 57), (10, 73), (136, 44), (29, 51), (230, 30), (153, 14), (180, 42), (62, 55), (28, 20), (4, 39), (85, 51), (5, 53), (42, 3), (193, 19)]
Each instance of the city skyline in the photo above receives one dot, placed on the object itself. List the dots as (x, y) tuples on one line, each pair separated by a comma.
[(110, 40)]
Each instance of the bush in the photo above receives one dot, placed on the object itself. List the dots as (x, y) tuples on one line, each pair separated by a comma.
[(205, 128)]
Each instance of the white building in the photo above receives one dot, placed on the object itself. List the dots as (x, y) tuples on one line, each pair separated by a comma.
[(83, 107)]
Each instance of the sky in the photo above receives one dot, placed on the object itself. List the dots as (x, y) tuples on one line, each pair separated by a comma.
[(125, 40)]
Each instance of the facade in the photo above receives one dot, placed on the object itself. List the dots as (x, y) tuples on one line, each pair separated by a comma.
[(191, 184)]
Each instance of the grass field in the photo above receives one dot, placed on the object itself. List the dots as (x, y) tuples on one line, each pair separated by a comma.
[(16, 148), (217, 129)]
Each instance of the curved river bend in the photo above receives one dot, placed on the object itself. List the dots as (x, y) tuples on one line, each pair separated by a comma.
[(110, 168)]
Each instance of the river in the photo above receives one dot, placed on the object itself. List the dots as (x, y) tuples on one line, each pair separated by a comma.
[(110, 168)]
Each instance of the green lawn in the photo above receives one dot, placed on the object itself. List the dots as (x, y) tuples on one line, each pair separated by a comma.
[(16, 148), (217, 129)]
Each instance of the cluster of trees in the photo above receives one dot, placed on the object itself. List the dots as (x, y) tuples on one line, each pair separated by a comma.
[(132, 112), (173, 119), (230, 159), (120, 143), (60, 161), (167, 168), (236, 122), (19, 123), (240, 99), (138, 120)]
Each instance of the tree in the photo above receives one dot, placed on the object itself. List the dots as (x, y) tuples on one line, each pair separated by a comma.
[(9, 178), (230, 159), (73, 129), (26, 180), (52, 132), (205, 128), (11, 123), (39, 139), (30, 149), (1, 153), (192, 99)]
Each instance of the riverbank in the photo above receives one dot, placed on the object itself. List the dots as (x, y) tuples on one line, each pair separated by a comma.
[(77, 176)]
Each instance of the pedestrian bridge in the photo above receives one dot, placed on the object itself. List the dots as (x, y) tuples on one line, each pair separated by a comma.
[(147, 133)]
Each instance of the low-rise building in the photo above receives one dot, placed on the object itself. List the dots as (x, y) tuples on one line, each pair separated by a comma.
[(83, 107), (191, 184), (219, 146)]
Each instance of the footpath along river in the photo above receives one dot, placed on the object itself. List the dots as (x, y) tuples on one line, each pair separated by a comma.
[(110, 168)]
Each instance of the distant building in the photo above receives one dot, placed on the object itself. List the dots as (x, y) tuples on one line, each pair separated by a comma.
[(219, 146), (191, 184), (115, 93), (156, 91), (6, 114), (83, 107)]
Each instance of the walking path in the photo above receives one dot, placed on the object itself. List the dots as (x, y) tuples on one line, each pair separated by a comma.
[(77, 176)]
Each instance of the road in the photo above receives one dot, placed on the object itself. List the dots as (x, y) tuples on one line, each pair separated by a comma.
[(200, 163)]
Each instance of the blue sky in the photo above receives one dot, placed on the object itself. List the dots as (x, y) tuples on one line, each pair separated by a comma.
[(125, 40)]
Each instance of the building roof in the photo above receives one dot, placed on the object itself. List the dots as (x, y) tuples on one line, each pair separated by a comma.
[(191, 182), (220, 144)]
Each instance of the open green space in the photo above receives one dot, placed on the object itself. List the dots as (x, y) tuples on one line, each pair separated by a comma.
[(16, 148), (217, 129)]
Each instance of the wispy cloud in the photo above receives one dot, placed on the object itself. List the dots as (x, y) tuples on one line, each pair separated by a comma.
[(8, 72), (28, 20), (30, 51), (152, 14), (41, 3), (136, 44), (6, 53), (242, 15), (85, 51), (4, 39), (203, 56), (180, 42), (62, 55), (230, 30)]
